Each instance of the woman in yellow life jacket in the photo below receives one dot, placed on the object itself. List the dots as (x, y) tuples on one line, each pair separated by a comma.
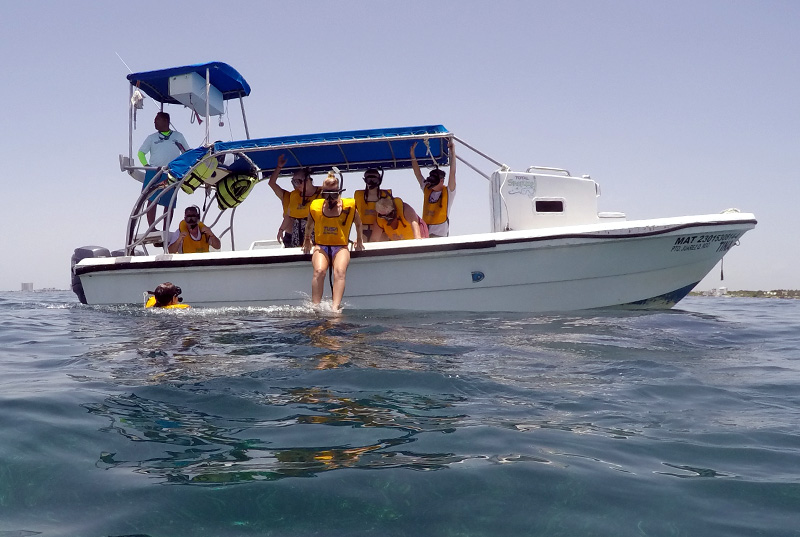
[(437, 198), (365, 202), (167, 296), (331, 219), (192, 236), (295, 203), (396, 220)]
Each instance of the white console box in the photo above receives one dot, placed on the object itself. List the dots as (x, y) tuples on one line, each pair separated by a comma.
[(190, 90)]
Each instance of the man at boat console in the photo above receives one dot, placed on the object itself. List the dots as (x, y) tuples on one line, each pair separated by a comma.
[(295, 203), (164, 146), (193, 236), (331, 219), (437, 198)]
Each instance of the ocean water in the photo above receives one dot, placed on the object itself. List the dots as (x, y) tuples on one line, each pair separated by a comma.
[(274, 421)]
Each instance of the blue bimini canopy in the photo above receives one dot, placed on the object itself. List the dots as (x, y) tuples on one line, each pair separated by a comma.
[(387, 149), (223, 77)]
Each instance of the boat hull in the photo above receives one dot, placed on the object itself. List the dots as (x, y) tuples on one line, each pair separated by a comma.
[(649, 264)]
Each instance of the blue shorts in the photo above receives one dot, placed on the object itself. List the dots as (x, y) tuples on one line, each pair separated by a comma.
[(330, 251), (164, 200)]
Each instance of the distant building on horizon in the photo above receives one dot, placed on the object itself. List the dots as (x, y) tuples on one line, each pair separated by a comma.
[(27, 286)]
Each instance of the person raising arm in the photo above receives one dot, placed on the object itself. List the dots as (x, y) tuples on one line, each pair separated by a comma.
[(437, 198)]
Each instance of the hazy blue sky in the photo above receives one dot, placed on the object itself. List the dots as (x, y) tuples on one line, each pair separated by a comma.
[(675, 108)]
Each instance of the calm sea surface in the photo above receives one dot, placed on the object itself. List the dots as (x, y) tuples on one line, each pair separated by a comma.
[(240, 422)]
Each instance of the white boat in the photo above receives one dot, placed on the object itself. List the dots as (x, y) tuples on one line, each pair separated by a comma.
[(549, 249)]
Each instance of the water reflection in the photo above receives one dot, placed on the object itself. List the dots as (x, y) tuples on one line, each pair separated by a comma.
[(200, 448)]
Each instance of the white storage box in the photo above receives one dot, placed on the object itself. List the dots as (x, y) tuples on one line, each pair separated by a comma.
[(190, 90)]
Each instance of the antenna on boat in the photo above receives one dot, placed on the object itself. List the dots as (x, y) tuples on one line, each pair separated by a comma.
[(123, 62)]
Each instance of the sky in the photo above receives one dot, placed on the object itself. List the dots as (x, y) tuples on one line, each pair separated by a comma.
[(674, 108)]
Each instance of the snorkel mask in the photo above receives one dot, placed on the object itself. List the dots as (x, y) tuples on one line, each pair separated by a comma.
[(192, 219), (373, 177), (332, 196), (434, 178)]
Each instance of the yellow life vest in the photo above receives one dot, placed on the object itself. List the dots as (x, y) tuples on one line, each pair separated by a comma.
[(404, 231), (333, 230), (436, 212), (285, 200), (297, 208), (151, 303), (233, 189), (202, 173), (191, 246), (366, 209)]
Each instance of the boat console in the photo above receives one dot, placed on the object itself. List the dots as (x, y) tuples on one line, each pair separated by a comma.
[(542, 197)]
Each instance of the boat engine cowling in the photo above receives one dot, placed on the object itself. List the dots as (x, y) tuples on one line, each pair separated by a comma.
[(84, 252)]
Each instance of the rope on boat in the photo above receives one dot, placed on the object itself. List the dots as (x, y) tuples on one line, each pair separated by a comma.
[(427, 143)]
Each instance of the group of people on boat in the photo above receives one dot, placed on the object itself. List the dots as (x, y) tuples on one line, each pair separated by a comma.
[(316, 218), (319, 219)]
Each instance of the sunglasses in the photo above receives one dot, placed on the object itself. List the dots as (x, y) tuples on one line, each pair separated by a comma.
[(297, 182), (388, 216), (330, 195), (191, 216)]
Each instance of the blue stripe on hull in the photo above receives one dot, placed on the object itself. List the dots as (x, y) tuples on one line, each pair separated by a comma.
[(667, 300)]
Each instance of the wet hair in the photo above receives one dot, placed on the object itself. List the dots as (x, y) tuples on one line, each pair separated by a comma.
[(436, 172), (165, 115), (306, 172), (195, 208), (164, 293), (327, 183)]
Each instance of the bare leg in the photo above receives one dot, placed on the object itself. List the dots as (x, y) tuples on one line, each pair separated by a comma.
[(151, 214), (320, 263), (167, 220), (340, 263)]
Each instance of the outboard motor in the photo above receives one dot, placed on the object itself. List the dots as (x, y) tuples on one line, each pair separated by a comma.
[(84, 252)]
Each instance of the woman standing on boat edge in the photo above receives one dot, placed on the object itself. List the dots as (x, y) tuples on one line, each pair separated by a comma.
[(437, 198), (331, 219), (295, 204)]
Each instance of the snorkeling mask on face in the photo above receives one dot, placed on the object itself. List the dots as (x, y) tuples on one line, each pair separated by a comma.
[(434, 178), (332, 196), (373, 177)]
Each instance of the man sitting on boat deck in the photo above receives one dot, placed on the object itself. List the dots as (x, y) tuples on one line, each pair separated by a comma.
[(164, 146), (295, 203), (167, 296), (331, 219), (365, 202), (192, 237), (436, 198), (397, 221)]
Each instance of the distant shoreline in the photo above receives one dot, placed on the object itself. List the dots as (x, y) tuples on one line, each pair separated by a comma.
[(775, 293)]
